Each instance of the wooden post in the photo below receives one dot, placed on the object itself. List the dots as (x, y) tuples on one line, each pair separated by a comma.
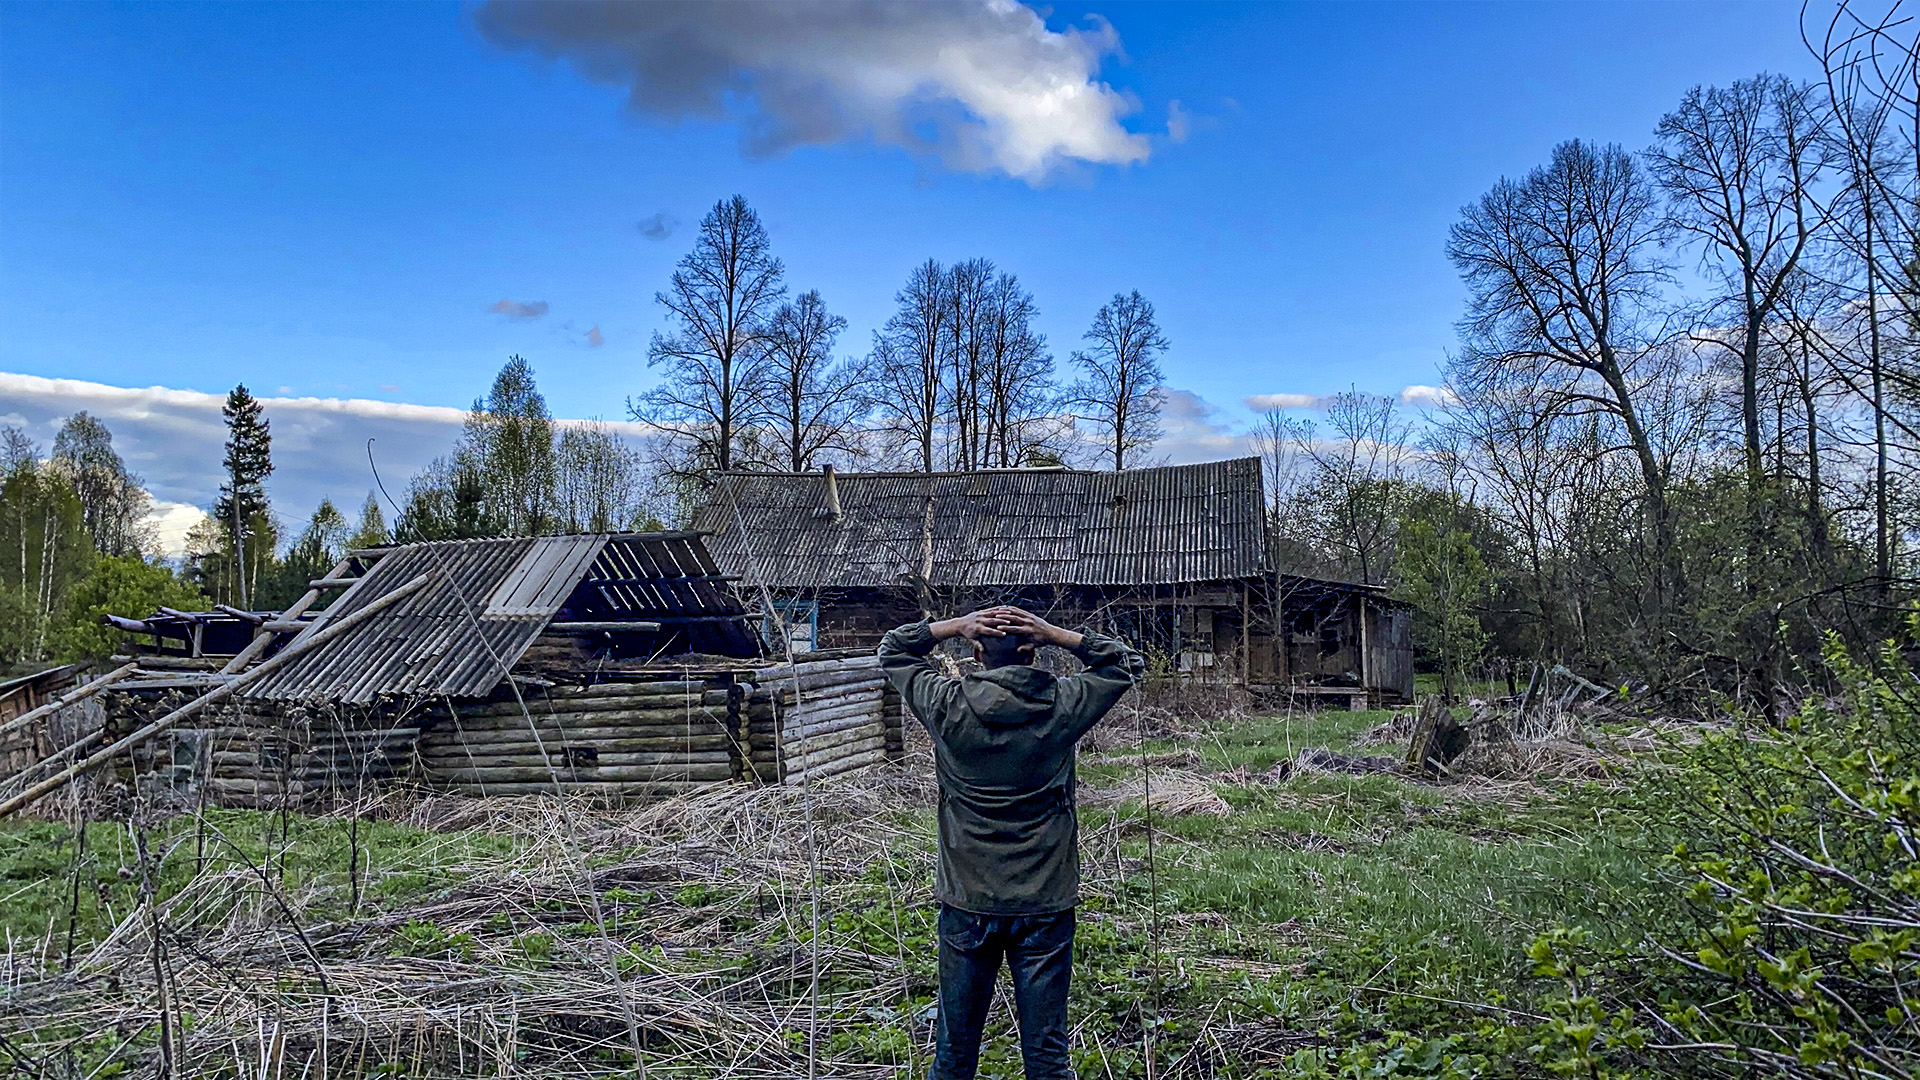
[(1282, 656), (1246, 648), (1366, 651)]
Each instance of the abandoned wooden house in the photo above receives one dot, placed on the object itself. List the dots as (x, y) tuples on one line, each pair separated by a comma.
[(618, 665), (1176, 559)]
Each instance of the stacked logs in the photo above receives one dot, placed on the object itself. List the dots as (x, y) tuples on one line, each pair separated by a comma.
[(830, 716), (620, 740), (894, 714)]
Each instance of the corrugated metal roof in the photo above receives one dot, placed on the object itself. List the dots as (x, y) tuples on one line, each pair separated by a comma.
[(1179, 523), (487, 600)]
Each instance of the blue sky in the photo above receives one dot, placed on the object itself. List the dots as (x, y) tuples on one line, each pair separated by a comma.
[(324, 200)]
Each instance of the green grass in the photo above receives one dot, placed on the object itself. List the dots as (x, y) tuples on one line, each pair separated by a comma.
[(44, 888)]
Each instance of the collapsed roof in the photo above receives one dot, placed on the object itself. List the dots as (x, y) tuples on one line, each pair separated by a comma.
[(486, 601)]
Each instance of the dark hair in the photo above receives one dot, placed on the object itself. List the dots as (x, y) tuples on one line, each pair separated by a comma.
[(1003, 651)]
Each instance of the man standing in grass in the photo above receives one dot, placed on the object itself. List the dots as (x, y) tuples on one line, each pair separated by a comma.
[(1009, 870)]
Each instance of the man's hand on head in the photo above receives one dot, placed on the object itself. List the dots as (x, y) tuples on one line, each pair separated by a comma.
[(973, 626), (1013, 620)]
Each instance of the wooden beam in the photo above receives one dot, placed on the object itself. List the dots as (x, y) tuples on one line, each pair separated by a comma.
[(244, 616), (637, 626), (264, 638)]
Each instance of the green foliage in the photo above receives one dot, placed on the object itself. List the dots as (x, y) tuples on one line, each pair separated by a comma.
[(1796, 941), (372, 530), (512, 474), (1440, 572), (312, 555), (113, 504), (424, 939), (44, 550), (117, 585)]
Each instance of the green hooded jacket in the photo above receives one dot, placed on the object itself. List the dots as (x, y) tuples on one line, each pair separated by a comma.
[(1003, 751)]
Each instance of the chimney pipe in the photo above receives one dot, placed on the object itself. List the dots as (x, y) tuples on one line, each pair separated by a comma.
[(833, 492)]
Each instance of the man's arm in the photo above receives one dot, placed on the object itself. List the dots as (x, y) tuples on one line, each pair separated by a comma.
[(904, 656), (1112, 668)]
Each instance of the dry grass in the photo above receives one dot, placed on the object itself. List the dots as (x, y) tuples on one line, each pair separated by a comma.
[(692, 943)]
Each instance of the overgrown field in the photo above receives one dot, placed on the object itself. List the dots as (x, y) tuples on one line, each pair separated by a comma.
[(1249, 924)]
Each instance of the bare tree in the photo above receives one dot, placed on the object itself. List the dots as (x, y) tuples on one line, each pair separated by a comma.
[(1354, 479), (969, 299), (720, 300), (1871, 63), (1121, 389), (813, 402), (1563, 278), (1021, 398), (1739, 165), (17, 450), (906, 360)]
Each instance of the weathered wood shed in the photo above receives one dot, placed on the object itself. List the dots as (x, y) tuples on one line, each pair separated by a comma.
[(1174, 558), (617, 665)]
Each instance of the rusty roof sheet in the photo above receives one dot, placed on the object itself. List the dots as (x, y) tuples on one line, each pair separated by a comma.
[(487, 600), (1174, 524)]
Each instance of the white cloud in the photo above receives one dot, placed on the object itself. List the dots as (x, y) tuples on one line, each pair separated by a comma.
[(1193, 431), (980, 85), (171, 521), (1179, 121), (1428, 397), (1270, 402), (173, 439)]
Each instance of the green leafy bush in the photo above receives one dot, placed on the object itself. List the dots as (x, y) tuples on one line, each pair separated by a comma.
[(1796, 949)]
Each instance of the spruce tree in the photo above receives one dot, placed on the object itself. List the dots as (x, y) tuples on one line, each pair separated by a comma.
[(242, 506)]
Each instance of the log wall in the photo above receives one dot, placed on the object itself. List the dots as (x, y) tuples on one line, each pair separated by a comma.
[(821, 718), (649, 734)]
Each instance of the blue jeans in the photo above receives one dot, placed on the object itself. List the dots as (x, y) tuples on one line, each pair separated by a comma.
[(1039, 951)]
